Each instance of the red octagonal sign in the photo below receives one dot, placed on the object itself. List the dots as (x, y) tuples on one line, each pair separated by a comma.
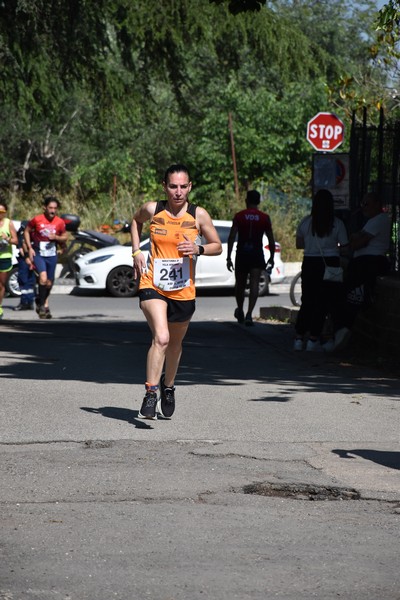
[(325, 132)]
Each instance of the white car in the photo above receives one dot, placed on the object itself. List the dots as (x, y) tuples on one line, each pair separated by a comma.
[(111, 268)]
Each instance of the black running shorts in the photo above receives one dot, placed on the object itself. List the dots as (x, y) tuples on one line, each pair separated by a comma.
[(178, 311), (246, 261)]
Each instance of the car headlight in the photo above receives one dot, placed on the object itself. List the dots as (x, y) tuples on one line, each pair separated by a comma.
[(98, 259)]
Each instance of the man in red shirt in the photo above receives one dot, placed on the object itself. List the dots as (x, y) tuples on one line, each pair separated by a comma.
[(41, 235), (249, 226)]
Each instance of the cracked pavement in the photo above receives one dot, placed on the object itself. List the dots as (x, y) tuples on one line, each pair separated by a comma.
[(278, 476)]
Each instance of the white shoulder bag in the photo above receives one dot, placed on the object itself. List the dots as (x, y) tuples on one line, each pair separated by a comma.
[(334, 274)]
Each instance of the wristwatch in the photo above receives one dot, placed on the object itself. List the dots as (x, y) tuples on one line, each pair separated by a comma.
[(201, 250)]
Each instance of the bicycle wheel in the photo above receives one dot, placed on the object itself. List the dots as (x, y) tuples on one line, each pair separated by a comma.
[(295, 290), (263, 286)]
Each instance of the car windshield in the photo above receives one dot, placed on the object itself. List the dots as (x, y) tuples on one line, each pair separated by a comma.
[(143, 245)]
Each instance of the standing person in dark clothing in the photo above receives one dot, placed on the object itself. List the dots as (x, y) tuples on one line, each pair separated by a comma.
[(26, 275), (249, 226), (321, 235)]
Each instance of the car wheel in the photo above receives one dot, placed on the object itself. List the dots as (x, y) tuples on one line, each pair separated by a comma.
[(263, 286), (12, 285), (121, 282)]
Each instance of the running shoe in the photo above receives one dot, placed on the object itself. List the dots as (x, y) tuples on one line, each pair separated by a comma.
[(149, 405), (342, 337), (48, 313), (41, 311), (24, 307), (329, 346), (166, 405), (239, 315), (298, 345), (1, 312), (248, 321), (313, 346)]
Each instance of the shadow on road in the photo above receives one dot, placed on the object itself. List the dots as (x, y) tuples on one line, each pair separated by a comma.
[(381, 457), (215, 353), (122, 414)]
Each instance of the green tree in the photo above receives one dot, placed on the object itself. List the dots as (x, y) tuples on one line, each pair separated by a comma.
[(238, 6), (388, 26), (124, 87)]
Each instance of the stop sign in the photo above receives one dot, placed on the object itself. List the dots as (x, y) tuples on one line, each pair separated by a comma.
[(325, 132)]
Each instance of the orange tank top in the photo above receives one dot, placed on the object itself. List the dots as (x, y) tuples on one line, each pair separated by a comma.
[(168, 272)]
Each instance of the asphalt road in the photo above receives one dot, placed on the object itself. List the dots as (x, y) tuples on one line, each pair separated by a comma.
[(68, 301), (278, 476)]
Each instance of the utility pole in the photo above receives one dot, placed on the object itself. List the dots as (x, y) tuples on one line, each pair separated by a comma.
[(235, 176), (114, 197)]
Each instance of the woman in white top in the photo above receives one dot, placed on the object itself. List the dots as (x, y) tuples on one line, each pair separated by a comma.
[(321, 235), (369, 261)]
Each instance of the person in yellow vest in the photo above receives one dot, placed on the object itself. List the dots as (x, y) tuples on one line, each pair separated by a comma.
[(8, 236), (167, 282)]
